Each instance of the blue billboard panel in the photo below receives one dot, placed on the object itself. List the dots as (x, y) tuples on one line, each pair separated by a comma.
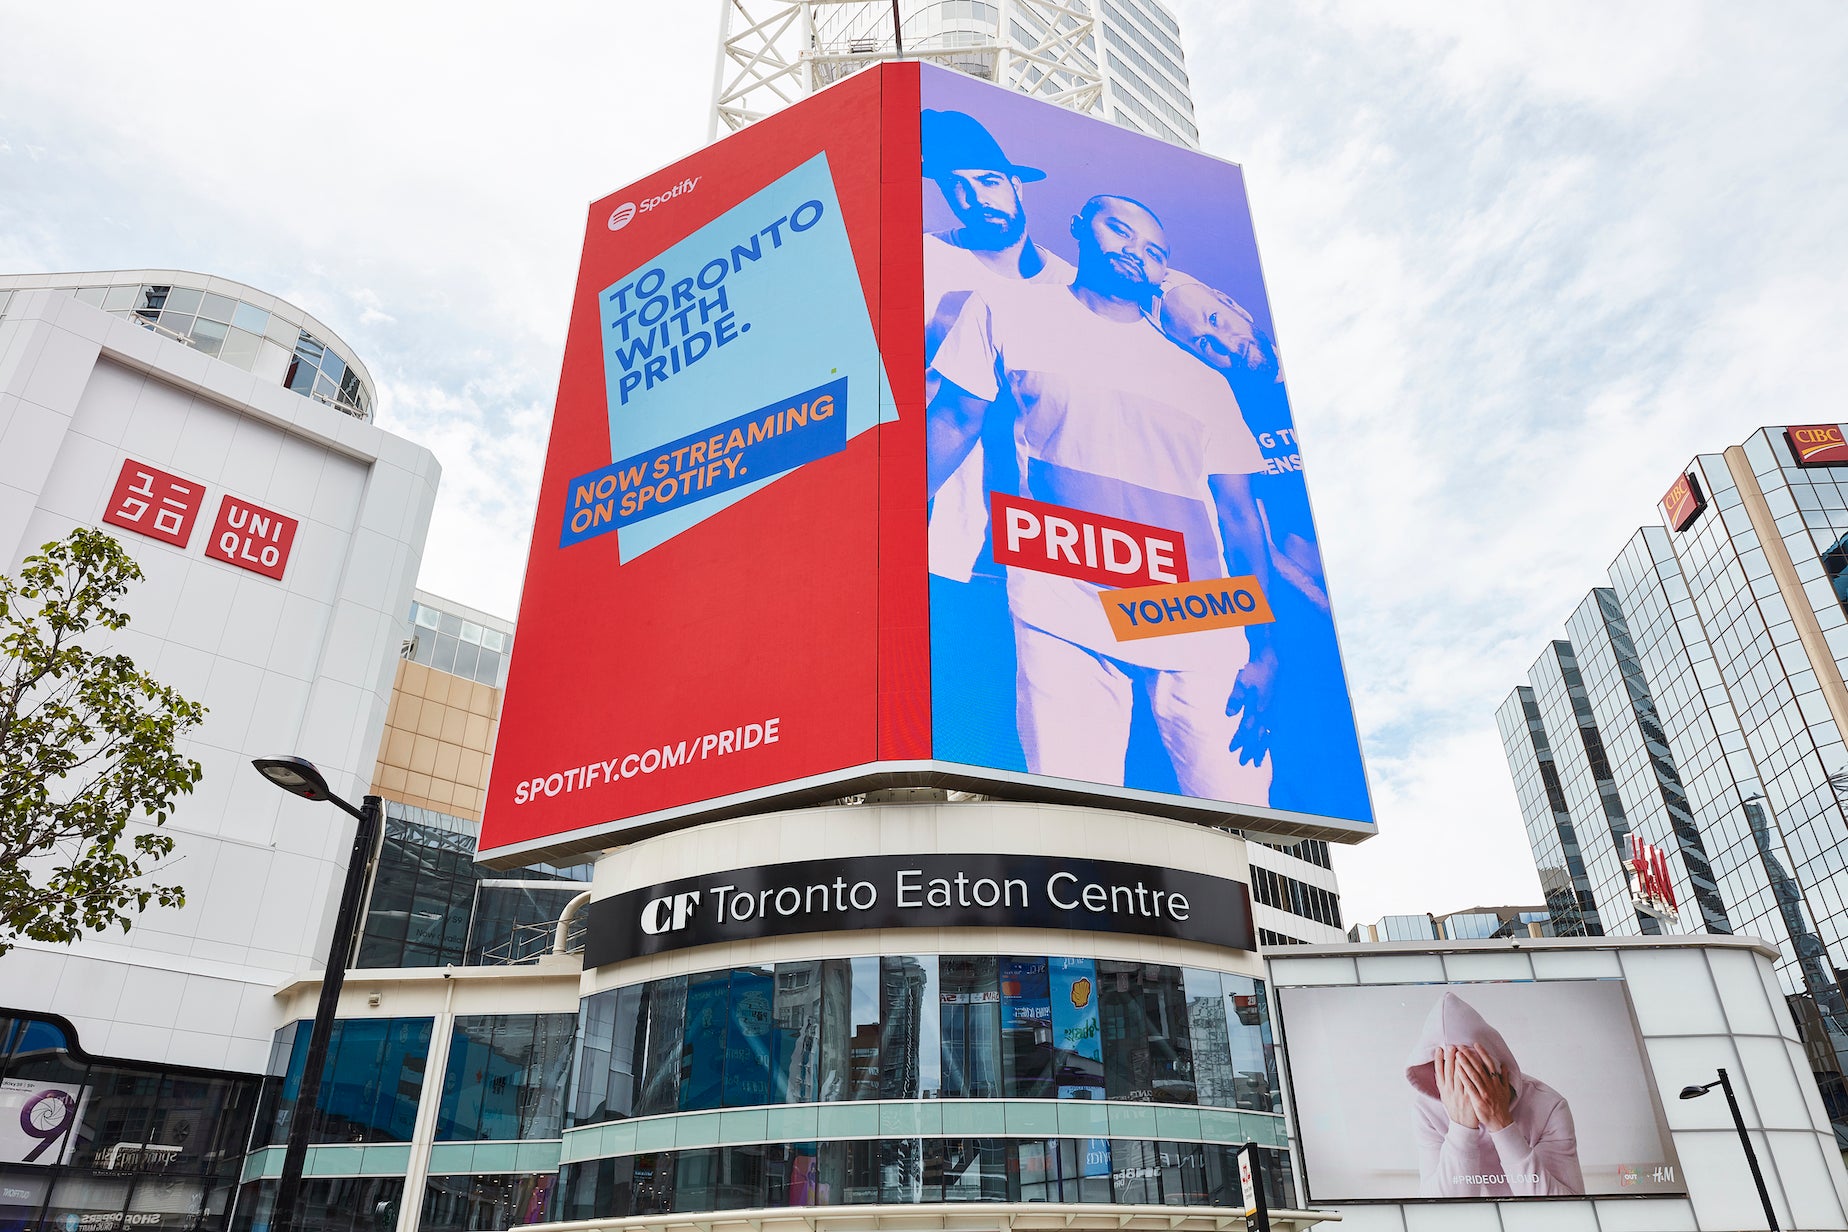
[(1126, 589)]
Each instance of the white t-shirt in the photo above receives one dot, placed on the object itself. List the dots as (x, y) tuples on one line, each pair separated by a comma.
[(1113, 419), (959, 511)]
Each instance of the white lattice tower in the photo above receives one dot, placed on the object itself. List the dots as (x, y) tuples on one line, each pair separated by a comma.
[(773, 52)]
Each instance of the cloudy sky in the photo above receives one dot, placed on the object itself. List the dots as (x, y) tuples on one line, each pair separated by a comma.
[(1525, 260)]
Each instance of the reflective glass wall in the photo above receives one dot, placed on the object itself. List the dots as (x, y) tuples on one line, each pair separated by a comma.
[(925, 1027), (369, 1092), (914, 1170), (101, 1145)]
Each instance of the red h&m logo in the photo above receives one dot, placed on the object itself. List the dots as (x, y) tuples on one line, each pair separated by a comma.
[(1090, 547), (252, 537), (1817, 444), (1650, 883), (1683, 502), (154, 503)]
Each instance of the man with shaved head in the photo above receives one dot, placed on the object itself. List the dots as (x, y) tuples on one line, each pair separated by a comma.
[(1111, 420), (1212, 326)]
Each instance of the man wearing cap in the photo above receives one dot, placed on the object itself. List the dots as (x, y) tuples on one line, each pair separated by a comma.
[(1110, 419), (988, 251)]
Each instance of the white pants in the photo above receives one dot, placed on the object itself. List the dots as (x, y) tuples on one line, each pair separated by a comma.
[(1072, 706)]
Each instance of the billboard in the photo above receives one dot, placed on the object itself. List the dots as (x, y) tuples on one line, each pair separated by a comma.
[(1408, 1091), (1683, 502), (1817, 444), (765, 566), (1126, 583)]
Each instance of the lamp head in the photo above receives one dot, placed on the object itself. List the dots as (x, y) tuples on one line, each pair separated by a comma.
[(1693, 1092), (295, 775)]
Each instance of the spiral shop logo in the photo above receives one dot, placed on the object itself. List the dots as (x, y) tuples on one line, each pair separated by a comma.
[(625, 213)]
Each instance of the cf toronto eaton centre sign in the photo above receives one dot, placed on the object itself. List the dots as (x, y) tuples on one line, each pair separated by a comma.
[(920, 891)]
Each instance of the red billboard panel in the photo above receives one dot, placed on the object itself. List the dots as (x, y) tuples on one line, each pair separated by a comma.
[(1683, 502), (1817, 444)]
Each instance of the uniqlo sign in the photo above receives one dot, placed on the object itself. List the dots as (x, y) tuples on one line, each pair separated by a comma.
[(251, 537), (153, 503)]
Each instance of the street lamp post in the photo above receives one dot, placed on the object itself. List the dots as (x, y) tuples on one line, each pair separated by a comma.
[(1751, 1156), (298, 777)]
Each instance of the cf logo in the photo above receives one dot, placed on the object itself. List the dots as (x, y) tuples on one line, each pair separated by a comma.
[(622, 215), (667, 914)]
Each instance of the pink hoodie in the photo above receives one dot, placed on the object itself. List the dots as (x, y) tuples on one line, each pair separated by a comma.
[(1534, 1155)]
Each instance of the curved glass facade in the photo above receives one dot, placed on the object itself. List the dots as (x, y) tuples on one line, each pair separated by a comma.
[(953, 1026), (137, 1146), (915, 1170), (270, 339)]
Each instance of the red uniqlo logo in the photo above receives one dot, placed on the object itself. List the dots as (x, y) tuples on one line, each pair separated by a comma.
[(251, 537), (154, 503), (1088, 546)]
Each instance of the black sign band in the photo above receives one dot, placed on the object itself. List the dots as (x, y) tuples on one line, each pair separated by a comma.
[(920, 891)]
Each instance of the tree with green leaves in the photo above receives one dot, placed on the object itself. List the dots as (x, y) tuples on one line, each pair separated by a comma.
[(87, 749)]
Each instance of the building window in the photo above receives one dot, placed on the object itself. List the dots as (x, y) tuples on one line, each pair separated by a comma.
[(506, 1077), (369, 1091), (911, 1027), (916, 1170), (138, 1145)]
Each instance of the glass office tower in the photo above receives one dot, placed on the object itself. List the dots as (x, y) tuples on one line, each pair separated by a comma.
[(1698, 702)]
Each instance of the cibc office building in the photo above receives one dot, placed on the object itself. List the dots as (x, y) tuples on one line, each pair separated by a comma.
[(919, 878)]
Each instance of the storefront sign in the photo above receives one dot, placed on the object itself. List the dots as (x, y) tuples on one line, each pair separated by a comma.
[(1683, 502), (920, 891), (1817, 444)]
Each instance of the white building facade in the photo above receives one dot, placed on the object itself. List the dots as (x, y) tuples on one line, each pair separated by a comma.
[(228, 447)]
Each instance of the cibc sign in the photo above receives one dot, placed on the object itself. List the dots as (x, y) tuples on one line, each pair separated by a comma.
[(1683, 502), (1817, 444), (919, 891)]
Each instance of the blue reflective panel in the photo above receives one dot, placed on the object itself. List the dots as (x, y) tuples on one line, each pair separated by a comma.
[(1028, 1063), (748, 1038), (702, 1058), (1076, 1034)]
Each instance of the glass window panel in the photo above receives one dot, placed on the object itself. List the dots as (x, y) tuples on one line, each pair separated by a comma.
[(1085, 1166), (217, 307), (971, 1018), (1183, 1173), (1148, 1055), (488, 670), (702, 1058), (902, 1172), (652, 1184), (282, 331), (325, 388), (121, 299), (663, 1016), (695, 1176), (179, 322), (208, 336), (426, 617), (493, 639), (183, 299), (909, 1055), (1076, 1032), (240, 348), (250, 317), (1215, 1080), (351, 391), (863, 1030), (443, 653), (1254, 1062), (748, 1038), (849, 1173), (471, 632), (466, 659), (351, 1090), (1135, 1171), (92, 296), (309, 348), (1037, 1171), (795, 1178), (332, 365), (1029, 1067), (448, 622), (796, 1035), (972, 1170)]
